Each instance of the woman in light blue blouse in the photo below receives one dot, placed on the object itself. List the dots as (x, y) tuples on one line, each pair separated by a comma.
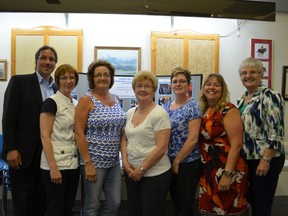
[(185, 116), (262, 112)]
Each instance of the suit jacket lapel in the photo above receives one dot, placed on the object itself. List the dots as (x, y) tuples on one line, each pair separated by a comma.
[(34, 84), (55, 88)]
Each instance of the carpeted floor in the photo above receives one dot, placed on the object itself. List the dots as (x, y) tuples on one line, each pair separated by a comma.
[(280, 208)]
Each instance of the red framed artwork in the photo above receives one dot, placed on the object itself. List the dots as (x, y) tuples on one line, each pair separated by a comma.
[(262, 49)]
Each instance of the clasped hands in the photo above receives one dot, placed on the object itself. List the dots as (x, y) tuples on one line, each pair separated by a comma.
[(133, 173)]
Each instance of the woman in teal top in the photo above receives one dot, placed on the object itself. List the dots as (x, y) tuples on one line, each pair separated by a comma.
[(262, 112)]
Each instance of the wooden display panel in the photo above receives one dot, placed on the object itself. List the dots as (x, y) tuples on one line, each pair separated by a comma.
[(25, 43), (198, 53)]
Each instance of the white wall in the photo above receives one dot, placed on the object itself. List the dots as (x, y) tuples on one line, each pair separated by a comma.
[(135, 30)]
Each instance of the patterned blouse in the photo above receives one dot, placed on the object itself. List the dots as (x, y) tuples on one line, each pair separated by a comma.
[(263, 119), (179, 128), (103, 133)]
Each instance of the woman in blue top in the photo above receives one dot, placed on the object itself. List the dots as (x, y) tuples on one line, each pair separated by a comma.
[(262, 112), (99, 119), (185, 116)]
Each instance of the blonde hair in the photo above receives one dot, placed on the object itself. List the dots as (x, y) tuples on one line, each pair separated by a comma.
[(224, 99), (145, 75)]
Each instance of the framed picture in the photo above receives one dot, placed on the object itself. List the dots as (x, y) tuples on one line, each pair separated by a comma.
[(126, 60), (3, 69), (265, 82), (262, 49), (133, 102), (266, 69), (284, 83)]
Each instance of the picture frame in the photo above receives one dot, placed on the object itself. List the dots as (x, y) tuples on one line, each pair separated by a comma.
[(163, 93), (3, 69), (126, 60), (284, 83), (266, 67), (265, 82), (262, 49)]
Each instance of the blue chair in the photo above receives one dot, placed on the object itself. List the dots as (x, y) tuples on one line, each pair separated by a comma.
[(5, 180), (2, 162)]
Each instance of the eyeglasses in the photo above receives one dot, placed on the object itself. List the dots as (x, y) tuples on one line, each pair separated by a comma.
[(174, 82), (140, 86), (250, 73), (65, 78), (99, 75)]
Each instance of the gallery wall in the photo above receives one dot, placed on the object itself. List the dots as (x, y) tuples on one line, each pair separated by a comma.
[(135, 31)]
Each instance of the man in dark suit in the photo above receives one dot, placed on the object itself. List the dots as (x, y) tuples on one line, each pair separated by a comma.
[(21, 134)]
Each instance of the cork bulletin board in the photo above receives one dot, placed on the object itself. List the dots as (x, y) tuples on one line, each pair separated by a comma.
[(25, 43), (196, 52)]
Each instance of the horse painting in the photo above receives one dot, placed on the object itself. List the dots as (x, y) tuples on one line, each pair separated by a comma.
[(261, 51)]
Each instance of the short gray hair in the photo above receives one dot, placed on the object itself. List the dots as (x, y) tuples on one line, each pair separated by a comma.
[(252, 63)]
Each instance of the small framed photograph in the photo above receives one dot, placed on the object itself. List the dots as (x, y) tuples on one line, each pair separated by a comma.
[(133, 102), (265, 82), (126, 60), (284, 83), (163, 99), (3, 69), (164, 88), (266, 72), (261, 49)]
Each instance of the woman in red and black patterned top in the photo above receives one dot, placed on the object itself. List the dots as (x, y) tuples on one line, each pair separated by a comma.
[(224, 178)]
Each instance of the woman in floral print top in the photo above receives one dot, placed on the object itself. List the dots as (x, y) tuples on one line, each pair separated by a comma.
[(262, 112), (224, 179)]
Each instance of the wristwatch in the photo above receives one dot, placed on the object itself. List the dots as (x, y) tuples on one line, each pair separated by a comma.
[(227, 173), (266, 159)]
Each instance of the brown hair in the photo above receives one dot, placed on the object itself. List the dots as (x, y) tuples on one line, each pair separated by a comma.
[(62, 69), (179, 70), (45, 47), (93, 66)]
